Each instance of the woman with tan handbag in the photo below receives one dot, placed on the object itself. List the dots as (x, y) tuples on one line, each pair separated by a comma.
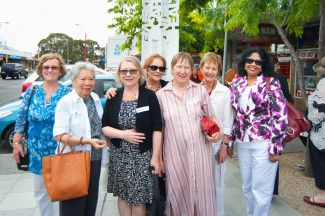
[(78, 124)]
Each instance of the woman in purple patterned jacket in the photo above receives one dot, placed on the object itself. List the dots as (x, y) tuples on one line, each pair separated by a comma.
[(259, 128)]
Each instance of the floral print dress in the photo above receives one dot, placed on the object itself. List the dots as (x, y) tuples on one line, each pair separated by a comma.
[(40, 117), (264, 118), (129, 173)]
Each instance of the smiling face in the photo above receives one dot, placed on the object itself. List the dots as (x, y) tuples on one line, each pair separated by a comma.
[(182, 71), (209, 71), (51, 70), (155, 75), (252, 65), (129, 75), (84, 83)]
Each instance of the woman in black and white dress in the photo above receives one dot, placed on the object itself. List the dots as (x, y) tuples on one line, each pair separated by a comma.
[(132, 120)]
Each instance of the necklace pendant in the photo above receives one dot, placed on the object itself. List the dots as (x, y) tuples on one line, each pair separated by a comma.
[(47, 102)]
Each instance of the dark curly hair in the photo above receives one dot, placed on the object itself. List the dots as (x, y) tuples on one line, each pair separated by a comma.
[(267, 68)]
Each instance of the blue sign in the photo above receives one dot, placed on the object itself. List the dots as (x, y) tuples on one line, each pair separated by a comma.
[(117, 49), (14, 57)]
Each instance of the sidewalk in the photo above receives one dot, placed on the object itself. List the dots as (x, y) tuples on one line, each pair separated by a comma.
[(16, 197)]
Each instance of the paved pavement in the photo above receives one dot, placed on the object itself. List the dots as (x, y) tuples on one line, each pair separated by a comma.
[(16, 197)]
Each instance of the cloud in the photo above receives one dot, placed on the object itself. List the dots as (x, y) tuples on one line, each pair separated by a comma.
[(32, 20)]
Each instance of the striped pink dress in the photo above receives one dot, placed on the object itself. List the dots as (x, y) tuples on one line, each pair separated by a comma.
[(187, 156)]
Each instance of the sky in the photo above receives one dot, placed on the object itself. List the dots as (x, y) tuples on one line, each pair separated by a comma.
[(33, 20)]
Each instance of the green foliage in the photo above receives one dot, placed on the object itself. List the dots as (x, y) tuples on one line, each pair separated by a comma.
[(127, 21), (201, 21), (249, 13), (199, 25), (302, 12), (70, 49)]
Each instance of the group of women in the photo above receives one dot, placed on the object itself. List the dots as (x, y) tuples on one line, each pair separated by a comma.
[(154, 129)]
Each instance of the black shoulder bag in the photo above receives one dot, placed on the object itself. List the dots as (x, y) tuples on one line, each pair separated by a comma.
[(24, 161)]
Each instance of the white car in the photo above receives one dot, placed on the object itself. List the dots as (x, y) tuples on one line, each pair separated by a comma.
[(35, 79)]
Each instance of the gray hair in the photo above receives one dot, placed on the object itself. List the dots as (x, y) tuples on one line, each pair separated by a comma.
[(77, 67)]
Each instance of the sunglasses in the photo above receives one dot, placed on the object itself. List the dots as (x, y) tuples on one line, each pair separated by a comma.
[(54, 68), (132, 72), (155, 67), (257, 62)]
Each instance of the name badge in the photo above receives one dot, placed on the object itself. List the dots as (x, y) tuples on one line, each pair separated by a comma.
[(142, 109)]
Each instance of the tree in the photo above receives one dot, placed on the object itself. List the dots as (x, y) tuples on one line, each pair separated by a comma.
[(128, 20), (288, 16), (70, 49), (56, 42), (194, 37)]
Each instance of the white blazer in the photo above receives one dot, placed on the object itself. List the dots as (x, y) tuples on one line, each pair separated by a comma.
[(71, 117)]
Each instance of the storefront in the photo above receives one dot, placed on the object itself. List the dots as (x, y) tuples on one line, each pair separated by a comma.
[(8, 54), (307, 47)]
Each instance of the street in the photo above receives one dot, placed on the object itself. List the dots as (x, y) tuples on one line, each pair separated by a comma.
[(10, 90)]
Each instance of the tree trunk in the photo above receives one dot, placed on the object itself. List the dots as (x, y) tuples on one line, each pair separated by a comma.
[(321, 39), (293, 55)]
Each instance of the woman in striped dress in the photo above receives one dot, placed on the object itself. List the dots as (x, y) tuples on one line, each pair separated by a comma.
[(187, 151)]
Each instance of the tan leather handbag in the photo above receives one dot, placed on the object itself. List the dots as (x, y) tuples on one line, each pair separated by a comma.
[(66, 176)]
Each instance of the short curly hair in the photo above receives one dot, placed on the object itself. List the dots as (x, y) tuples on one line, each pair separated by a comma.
[(211, 57), (267, 68), (49, 56)]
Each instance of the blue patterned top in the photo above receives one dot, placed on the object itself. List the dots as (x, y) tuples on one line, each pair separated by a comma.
[(41, 120)]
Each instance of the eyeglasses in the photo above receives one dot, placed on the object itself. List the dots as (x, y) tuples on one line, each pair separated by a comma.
[(132, 72), (54, 68), (155, 67), (257, 62)]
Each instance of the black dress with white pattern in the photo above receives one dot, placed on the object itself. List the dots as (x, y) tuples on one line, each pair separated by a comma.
[(129, 173)]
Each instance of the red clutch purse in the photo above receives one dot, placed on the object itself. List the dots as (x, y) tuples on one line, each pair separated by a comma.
[(208, 126)]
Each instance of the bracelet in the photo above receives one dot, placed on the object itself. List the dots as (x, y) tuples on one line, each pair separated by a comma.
[(80, 141)]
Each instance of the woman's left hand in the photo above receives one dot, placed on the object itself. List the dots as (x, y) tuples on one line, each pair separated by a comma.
[(156, 166), (274, 158), (221, 155)]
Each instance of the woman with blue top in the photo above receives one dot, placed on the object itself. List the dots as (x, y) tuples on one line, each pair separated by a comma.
[(40, 117), (78, 123)]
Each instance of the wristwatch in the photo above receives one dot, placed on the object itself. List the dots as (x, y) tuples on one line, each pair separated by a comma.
[(17, 143), (225, 143)]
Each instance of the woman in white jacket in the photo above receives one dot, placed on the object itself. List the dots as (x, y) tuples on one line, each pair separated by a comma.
[(210, 66), (78, 124)]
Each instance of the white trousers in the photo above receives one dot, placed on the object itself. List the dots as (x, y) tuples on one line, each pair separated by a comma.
[(219, 171), (46, 206), (258, 176)]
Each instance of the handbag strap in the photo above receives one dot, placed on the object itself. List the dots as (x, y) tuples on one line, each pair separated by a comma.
[(64, 145), (31, 95)]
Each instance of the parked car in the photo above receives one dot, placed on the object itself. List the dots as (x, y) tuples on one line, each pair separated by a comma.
[(13, 70), (35, 79), (9, 112)]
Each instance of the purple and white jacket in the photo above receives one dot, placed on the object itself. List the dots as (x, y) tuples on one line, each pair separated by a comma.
[(265, 116)]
